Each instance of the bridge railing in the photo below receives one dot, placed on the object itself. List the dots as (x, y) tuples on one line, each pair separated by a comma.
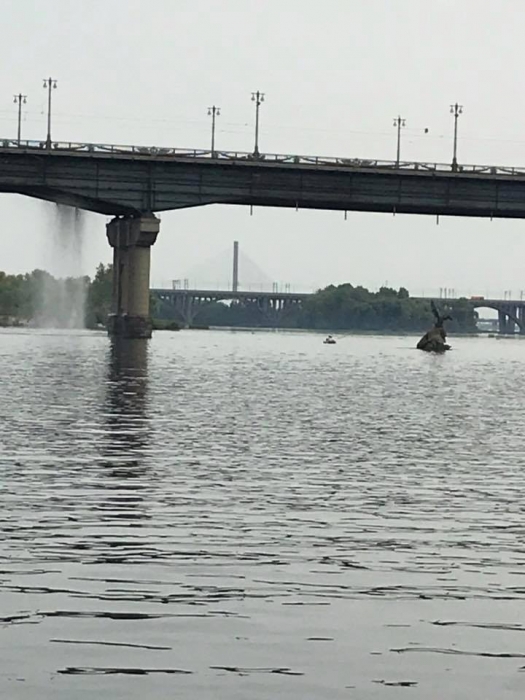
[(228, 293), (271, 158)]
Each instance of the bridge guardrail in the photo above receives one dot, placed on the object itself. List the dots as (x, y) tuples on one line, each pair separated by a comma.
[(273, 158)]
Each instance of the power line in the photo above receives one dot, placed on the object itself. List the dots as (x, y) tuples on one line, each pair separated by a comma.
[(242, 127)]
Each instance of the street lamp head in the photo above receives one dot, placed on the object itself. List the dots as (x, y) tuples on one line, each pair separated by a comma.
[(50, 82), (456, 109)]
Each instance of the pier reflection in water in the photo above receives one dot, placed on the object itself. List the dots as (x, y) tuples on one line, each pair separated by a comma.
[(125, 441), (128, 430), (232, 515)]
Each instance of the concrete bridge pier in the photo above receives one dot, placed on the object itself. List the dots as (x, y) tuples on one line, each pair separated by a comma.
[(184, 306), (507, 320), (131, 239), (521, 319), (502, 322)]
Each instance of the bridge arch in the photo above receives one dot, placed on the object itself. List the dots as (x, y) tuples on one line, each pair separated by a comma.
[(511, 315)]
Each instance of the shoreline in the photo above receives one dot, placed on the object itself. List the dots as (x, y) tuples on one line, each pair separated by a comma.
[(270, 329)]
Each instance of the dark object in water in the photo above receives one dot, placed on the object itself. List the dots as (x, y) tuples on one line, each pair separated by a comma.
[(434, 340), (329, 340)]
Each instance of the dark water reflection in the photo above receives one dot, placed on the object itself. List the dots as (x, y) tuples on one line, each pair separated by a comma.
[(128, 430), (216, 515)]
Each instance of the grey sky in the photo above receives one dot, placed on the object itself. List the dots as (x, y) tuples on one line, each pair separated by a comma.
[(335, 73)]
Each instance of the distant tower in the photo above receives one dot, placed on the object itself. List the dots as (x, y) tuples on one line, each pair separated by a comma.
[(235, 285)]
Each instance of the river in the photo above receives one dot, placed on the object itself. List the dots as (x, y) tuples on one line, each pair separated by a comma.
[(246, 516)]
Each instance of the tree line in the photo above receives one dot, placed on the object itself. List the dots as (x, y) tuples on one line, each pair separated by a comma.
[(356, 308), (26, 298), (341, 307), (34, 296)]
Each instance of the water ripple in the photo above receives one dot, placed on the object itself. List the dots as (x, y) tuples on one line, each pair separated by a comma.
[(260, 517)]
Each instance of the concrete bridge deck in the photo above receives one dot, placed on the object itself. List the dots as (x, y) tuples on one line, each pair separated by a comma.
[(133, 180)]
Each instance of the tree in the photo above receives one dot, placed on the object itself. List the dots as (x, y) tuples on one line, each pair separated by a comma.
[(98, 303)]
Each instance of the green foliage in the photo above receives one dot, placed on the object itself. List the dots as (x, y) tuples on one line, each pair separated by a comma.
[(342, 307), (355, 308), (22, 297), (98, 301)]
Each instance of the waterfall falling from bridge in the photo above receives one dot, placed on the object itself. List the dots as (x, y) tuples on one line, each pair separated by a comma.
[(63, 293)]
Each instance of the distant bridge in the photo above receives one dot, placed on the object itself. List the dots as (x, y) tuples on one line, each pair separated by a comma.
[(511, 312), (275, 305), (187, 303)]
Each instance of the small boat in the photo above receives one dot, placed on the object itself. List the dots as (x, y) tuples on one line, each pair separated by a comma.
[(329, 340)]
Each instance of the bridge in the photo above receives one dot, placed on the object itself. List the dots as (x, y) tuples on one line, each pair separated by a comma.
[(274, 306), (511, 312), (187, 303), (133, 183)]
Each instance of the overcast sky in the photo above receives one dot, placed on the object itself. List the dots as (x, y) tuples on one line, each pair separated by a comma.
[(335, 74)]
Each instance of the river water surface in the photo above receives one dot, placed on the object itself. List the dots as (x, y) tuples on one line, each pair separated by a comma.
[(249, 516)]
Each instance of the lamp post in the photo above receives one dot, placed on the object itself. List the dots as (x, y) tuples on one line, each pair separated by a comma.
[(20, 100), (456, 110), (258, 98), (50, 84), (399, 122), (213, 112)]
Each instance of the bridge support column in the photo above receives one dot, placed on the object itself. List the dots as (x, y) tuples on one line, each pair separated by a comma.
[(521, 318), (506, 324), (131, 239), (502, 322)]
